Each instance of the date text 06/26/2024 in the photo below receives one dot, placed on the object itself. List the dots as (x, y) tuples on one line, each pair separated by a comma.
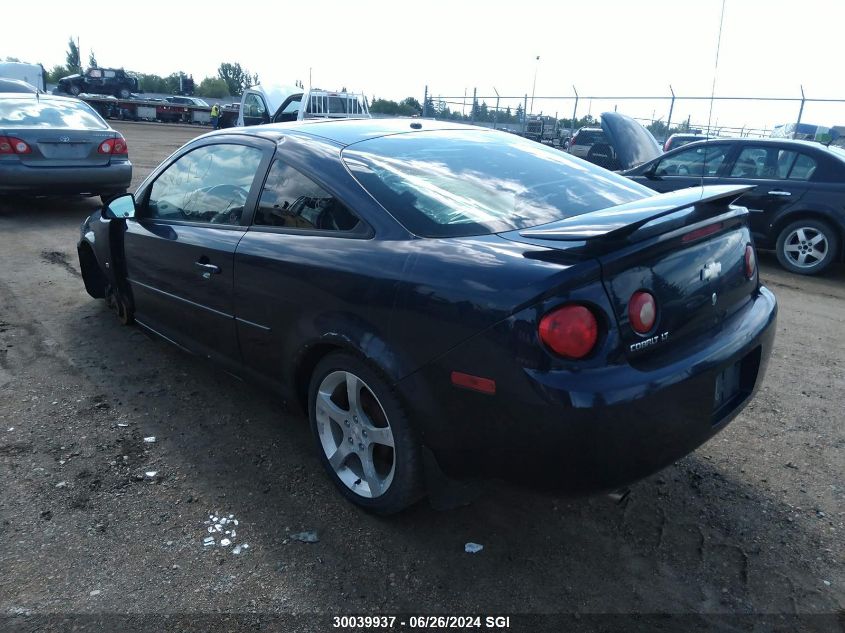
[(489, 622)]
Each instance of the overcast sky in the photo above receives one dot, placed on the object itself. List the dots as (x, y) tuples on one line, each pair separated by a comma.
[(394, 49)]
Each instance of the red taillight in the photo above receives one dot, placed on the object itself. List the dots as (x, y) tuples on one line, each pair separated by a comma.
[(120, 146), (12, 145), (570, 331), (642, 311), (750, 262), (115, 145)]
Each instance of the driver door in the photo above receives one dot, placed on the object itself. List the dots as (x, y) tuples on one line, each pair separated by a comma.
[(179, 249)]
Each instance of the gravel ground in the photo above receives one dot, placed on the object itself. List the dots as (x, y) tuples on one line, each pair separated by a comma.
[(95, 520)]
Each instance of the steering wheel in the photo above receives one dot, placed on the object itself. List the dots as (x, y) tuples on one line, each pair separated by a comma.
[(232, 213)]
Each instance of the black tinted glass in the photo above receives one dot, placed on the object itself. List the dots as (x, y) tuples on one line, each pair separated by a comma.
[(292, 200), (451, 183)]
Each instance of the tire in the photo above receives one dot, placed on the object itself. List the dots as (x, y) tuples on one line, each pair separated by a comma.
[(368, 472), (123, 93), (807, 247), (74, 90)]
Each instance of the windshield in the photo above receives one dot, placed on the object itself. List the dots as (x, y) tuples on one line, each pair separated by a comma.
[(20, 113), (457, 183)]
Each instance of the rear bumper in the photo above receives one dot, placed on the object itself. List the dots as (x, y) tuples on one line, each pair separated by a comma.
[(593, 430), (17, 178)]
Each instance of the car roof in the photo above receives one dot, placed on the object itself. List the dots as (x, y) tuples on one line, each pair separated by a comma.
[(759, 141), (41, 97), (347, 131), (9, 85)]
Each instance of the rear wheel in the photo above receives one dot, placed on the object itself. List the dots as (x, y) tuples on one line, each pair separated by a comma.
[(74, 90), (807, 247), (365, 440), (123, 93)]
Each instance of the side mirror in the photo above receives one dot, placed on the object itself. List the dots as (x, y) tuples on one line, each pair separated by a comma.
[(651, 172), (120, 208)]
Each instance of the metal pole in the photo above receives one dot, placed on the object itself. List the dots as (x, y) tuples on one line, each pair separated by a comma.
[(574, 110), (671, 109), (472, 115), (496, 113), (534, 85), (425, 102), (800, 113), (464, 105)]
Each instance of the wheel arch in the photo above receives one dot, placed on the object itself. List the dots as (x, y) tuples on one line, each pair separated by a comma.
[(826, 216)]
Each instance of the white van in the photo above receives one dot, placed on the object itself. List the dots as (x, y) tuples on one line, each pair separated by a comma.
[(32, 74)]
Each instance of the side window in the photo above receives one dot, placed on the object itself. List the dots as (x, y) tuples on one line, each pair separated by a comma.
[(95, 73), (289, 110), (750, 163), (108, 74), (209, 184), (254, 106), (803, 169), (292, 200), (696, 161)]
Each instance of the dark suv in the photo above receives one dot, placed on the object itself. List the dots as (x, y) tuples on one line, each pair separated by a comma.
[(101, 81)]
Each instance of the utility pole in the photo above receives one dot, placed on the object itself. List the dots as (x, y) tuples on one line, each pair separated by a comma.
[(534, 85), (472, 114), (496, 112)]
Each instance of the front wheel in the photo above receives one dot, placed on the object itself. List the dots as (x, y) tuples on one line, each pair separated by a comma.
[(74, 90), (364, 437), (123, 93), (807, 247)]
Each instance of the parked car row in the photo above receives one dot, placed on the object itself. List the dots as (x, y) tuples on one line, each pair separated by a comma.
[(797, 195)]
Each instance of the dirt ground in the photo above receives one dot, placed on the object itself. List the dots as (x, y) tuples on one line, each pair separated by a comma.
[(752, 523)]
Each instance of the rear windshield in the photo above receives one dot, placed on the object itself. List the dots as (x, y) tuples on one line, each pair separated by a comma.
[(467, 182), (22, 113), (589, 137)]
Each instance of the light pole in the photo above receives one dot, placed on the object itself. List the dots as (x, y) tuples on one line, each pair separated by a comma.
[(534, 86)]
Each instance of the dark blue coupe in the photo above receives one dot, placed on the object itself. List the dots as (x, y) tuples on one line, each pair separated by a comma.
[(447, 300)]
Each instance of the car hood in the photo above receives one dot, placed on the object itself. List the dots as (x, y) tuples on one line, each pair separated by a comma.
[(633, 144), (77, 76)]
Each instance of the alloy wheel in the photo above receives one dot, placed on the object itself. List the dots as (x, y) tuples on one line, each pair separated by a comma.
[(355, 434), (805, 247)]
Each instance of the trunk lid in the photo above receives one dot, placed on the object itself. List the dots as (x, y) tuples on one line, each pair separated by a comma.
[(62, 147), (632, 144), (686, 248)]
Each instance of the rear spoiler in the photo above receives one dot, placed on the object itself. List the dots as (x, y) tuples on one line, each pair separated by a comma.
[(618, 222)]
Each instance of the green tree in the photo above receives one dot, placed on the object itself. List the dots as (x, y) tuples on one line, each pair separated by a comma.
[(92, 59), (213, 87), (56, 73), (152, 83), (237, 78), (73, 63), (12, 59)]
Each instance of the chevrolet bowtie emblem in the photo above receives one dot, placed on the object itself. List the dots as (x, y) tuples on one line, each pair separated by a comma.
[(710, 270)]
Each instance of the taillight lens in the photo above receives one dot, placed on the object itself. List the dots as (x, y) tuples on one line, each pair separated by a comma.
[(750, 262), (12, 145), (642, 311), (115, 145), (570, 331), (120, 146)]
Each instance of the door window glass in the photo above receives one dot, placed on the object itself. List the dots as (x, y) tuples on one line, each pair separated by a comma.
[(763, 162), (209, 184), (803, 169), (254, 106), (292, 200), (704, 160)]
